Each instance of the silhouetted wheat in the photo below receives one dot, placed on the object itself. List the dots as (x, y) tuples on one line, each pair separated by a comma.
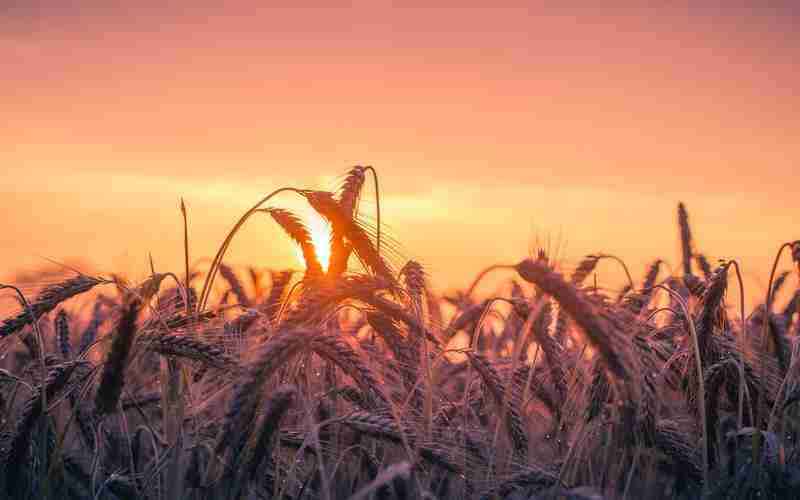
[(368, 384)]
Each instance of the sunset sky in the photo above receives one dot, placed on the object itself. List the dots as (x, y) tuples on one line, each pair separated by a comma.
[(490, 128)]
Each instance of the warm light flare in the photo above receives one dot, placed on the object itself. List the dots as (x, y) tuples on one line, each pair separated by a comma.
[(320, 231)]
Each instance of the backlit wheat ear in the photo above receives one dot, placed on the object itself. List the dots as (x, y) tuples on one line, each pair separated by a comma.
[(277, 405), (47, 300), (584, 269), (679, 446), (416, 282), (415, 278), (715, 378), (536, 383), (280, 282), (186, 347), (652, 274), (610, 343), (466, 319), (366, 291), (113, 376), (599, 392), (229, 275), (278, 350), (686, 239), (385, 428), (513, 421), (640, 300), (532, 478), (796, 254), (348, 199), (553, 351), (396, 342), (703, 264), (317, 301), (300, 234), (780, 280), (341, 221), (372, 424), (324, 203), (147, 289), (695, 285), (392, 474), (337, 351), (791, 308), (14, 454), (709, 314), (350, 193), (61, 326), (355, 397)]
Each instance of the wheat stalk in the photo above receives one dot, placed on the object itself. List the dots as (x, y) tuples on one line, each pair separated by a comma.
[(113, 376), (47, 300)]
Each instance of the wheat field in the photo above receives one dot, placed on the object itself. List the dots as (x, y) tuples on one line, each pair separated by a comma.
[(353, 379)]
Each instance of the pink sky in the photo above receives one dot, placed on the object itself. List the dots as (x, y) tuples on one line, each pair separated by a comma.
[(489, 127)]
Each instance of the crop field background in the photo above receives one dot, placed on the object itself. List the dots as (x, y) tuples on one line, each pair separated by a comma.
[(353, 379)]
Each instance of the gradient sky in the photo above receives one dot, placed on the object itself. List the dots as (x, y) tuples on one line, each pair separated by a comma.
[(490, 127)]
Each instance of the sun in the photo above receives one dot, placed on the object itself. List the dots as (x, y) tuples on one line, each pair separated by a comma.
[(320, 231)]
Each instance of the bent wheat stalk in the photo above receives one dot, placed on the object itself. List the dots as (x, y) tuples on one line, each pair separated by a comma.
[(212, 272), (701, 398)]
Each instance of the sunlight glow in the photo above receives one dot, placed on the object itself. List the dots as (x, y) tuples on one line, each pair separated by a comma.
[(320, 231)]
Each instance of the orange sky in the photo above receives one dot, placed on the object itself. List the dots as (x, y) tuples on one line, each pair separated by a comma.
[(489, 127)]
